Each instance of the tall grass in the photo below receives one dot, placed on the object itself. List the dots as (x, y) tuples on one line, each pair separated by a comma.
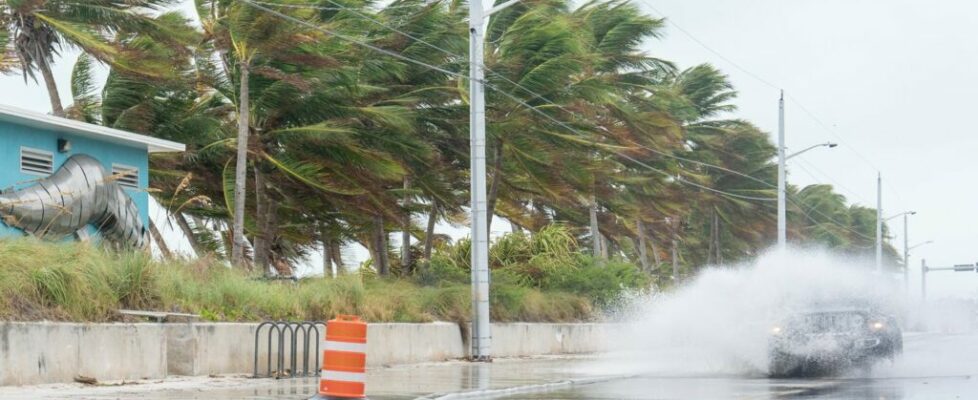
[(80, 282)]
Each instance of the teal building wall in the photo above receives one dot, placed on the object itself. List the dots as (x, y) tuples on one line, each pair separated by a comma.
[(13, 137)]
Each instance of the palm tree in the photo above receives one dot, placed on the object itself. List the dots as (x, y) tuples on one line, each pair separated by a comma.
[(247, 37), (42, 29), (726, 227)]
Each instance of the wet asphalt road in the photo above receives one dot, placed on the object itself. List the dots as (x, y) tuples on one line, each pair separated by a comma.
[(719, 388), (934, 367)]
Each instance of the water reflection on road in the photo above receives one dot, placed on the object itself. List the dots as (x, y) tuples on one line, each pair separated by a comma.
[(962, 387)]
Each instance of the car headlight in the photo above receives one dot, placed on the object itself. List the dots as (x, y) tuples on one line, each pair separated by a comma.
[(877, 326), (776, 330)]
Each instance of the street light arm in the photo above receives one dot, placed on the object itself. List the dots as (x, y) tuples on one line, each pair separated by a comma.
[(919, 244), (900, 215), (829, 144)]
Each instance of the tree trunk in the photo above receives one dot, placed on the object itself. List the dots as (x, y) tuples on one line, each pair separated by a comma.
[(335, 250), (261, 220), (655, 252), (270, 233), (188, 231), (710, 251), (379, 244), (595, 232), (52, 86), (160, 243), (643, 251), (497, 177), (674, 224), (406, 229), (716, 237), (241, 171), (429, 233), (675, 260), (327, 257)]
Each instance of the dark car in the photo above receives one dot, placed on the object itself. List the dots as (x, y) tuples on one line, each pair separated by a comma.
[(831, 341)]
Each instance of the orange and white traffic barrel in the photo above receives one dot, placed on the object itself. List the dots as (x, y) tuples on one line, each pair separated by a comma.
[(344, 372)]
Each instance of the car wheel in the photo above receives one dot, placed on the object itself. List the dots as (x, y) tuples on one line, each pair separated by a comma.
[(782, 365)]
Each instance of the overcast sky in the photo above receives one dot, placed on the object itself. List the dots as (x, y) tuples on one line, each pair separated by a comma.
[(893, 80)]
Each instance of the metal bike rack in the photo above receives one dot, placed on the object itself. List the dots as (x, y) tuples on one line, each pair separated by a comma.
[(291, 332)]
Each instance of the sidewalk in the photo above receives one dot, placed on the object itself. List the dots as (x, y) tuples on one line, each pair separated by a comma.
[(397, 382)]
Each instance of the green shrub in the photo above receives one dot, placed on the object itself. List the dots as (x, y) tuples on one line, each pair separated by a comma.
[(79, 282), (604, 282), (442, 270), (550, 260)]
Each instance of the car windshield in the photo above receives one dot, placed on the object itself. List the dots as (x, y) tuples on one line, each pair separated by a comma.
[(822, 322)]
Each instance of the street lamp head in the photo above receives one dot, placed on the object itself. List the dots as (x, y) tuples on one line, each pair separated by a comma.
[(913, 213), (831, 145)]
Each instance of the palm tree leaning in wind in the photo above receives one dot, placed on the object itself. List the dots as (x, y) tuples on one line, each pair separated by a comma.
[(250, 36), (41, 29), (729, 225)]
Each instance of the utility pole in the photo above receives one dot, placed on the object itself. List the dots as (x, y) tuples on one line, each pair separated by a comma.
[(906, 247), (879, 222), (480, 231), (481, 337), (906, 255), (782, 185), (782, 176), (923, 281)]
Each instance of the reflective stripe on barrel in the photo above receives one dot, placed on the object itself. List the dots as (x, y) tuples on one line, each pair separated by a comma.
[(344, 358)]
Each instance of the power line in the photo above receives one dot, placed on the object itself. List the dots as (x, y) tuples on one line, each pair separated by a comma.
[(504, 93), (758, 78), (708, 48), (824, 175), (831, 131), (527, 90), (354, 40), (443, 51), (318, 7), (678, 178)]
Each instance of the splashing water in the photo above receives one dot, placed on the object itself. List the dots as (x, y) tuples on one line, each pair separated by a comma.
[(719, 323)]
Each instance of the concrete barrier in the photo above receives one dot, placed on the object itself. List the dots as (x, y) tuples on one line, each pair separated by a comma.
[(526, 339), (389, 344), (47, 352), (32, 353)]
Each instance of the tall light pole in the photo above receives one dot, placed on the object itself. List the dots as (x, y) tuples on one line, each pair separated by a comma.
[(906, 248), (906, 275), (906, 253), (782, 182), (481, 336), (879, 222)]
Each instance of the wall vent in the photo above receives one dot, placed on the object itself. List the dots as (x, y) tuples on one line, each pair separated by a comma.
[(126, 176), (34, 161)]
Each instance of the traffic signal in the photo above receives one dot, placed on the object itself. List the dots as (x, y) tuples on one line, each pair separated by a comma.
[(964, 267)]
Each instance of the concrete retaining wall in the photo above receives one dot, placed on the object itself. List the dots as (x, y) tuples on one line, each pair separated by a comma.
[(33, 353), (43, 352), (523, 339)]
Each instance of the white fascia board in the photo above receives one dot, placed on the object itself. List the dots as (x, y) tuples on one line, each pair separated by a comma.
[(45, 121)]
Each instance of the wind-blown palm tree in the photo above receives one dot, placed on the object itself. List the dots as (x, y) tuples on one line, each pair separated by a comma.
[(42, 29)]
